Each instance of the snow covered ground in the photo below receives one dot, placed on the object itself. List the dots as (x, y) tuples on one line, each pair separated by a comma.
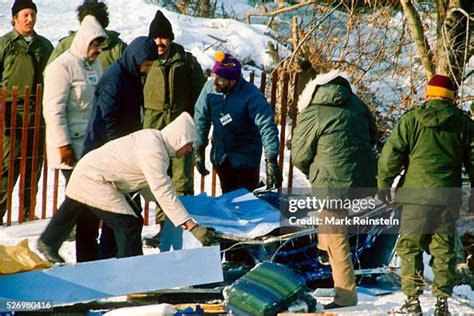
[(202, 37)]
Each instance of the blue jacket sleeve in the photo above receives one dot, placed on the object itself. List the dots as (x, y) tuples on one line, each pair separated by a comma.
[(202, 117), (263, 117), (107, 102)]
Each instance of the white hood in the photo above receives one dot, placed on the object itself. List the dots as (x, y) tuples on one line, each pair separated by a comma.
[(88, 31), (308, 92), (178, 133)]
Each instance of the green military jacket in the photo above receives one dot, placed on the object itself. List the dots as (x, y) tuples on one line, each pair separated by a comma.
[(177, 94), (21, 62), (113, 48), (430, 143), (332, 143)]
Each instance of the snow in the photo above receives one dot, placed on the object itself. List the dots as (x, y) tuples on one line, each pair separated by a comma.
[(203, 37)]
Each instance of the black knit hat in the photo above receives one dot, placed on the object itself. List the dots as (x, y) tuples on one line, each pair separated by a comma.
[(19, 5), (160, 27)]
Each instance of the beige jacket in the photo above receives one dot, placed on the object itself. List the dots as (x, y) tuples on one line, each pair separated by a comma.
[(103, 177), (69, 85)]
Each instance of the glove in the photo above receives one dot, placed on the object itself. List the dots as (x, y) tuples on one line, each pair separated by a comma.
[(385, 195), (67, 155), (206, 235), (200, 160), (274, 177)]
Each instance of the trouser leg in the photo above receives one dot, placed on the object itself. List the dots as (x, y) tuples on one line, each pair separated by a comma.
[(62, 223), (334, 240), (108, 242), (87, 232), (412, 242), (127, 231), (442, 250), (232, 179)]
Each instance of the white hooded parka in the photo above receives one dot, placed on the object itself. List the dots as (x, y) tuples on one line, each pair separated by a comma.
[(104, 176), (69, 84)]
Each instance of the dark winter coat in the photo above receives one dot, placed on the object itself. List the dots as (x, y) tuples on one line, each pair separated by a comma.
[(174, 86), (240, 141), (112, 49), (118, 99), (431, 142), (22, 63), (332, 143)]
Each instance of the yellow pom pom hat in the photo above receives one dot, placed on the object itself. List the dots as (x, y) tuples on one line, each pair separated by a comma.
[(227, 66)]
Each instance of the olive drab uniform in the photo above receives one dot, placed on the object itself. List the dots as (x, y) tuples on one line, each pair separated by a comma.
[(172, 87), (22, 61)]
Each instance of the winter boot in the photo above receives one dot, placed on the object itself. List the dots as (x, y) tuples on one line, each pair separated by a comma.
[(49, 253), (441, 307), (152, 242), (410, 307)]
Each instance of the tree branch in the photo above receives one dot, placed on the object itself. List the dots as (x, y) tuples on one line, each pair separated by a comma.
[(279, 11), (422, 45)]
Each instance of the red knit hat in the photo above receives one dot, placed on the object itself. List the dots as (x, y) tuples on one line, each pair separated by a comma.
[(440, 86)]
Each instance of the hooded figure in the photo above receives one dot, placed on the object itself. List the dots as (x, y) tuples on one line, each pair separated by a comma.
[(70, 82), (118, 99), (104, 178), (131, 163)]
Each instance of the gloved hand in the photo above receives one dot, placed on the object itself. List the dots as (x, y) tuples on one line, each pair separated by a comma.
[(206, 235), (274, 177), (385, 195), (200, 160), (67, 155)]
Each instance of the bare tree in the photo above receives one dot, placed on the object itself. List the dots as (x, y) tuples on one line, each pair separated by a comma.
[(452, 38)]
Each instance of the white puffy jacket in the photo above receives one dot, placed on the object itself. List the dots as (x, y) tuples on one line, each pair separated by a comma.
[(104, 176), (68, 93)]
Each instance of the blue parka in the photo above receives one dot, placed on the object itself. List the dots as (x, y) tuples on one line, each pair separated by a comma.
[(240, 140), (118, 98)]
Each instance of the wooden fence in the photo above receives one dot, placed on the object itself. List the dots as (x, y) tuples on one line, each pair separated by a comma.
[(30, 128)]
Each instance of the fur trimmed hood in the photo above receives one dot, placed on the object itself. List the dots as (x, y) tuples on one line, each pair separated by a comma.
[(308, 92)]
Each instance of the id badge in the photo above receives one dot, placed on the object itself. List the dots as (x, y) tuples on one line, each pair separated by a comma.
[(92, 78), (225, 119)]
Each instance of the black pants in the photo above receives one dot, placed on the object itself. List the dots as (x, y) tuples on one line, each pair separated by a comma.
[(233, 179), (87, 225), (127, 228)]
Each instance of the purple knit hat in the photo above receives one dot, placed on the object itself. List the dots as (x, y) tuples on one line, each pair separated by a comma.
[(227, 66)]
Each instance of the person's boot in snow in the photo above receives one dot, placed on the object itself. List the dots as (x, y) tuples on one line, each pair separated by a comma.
[(441, 307), (410, 307), (152, 242), (49, 253)]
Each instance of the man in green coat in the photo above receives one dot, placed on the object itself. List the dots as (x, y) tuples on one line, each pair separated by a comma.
[(332, 145), (172, 87), (430, 144), (113, 46), (23, 57)]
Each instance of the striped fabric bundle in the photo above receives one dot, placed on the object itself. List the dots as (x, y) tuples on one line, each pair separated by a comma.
[(265, 290)]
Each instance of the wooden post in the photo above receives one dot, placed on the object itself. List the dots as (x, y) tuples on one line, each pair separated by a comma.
[(213, 182), (295, 33), (45, 185), (252, 77), (146, 213), (294, 112), (283, 114), (55, 190), (274, 90), (35, 152), (11, 162), (24, 153), (263, 82)]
